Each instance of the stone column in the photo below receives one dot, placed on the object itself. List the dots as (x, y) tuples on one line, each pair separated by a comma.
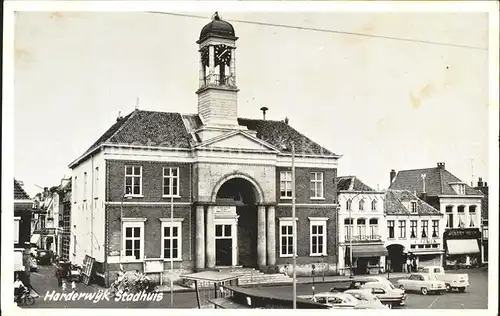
[(200, 237), (232, 67), (261, 236), (271, 236), (211, 64), (210, 228)]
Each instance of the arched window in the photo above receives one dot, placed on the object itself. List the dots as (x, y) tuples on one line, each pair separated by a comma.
[(374, 205), (374, 228), (362, 205), (361, 224), (348, 205)]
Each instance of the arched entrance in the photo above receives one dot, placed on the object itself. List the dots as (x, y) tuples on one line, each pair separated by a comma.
[(236, 223), (397, 257)]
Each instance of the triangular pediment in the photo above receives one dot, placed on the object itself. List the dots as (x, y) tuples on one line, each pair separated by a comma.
[(238, 140)]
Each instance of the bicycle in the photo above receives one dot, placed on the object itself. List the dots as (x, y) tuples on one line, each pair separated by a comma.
[(26, 299)]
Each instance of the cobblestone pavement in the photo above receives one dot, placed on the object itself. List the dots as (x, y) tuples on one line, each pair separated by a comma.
[(476, 297)]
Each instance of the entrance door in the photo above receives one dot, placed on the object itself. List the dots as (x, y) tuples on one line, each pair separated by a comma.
[(223, 245)]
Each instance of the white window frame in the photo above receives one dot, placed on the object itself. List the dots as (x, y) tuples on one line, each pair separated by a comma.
[(171, 177), (413, 207), (287, 221), (361, 205), (133, 176), (416, 228), (348, 204), (437, 228), (374, 205), (402, 229), (17, 221), (373, 228), (286, 179), (315, 182), (424, 228), (132, 223), (166, 222), (393, 227), (318, 221)]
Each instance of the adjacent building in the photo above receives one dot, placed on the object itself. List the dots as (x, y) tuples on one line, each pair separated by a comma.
[(483, 187), (205, 190), (48, 230), (413, 227), (459, 203), (362, 228), (23, 205)]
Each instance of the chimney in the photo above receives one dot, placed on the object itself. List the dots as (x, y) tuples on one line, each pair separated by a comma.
[(264, 110), (118, 119), (286, 120), (392, 176), (440, 165), (480, 182)]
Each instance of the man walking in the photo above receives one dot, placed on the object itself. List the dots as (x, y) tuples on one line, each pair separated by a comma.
[(408, 265), (59, 276)]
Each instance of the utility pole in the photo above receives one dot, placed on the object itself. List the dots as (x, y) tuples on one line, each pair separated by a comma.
[(294, 228)]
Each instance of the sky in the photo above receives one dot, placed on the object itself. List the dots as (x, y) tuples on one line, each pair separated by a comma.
[(381, 103)]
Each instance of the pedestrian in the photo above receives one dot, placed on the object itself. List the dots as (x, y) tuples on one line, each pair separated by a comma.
[(73, 286), (408, 265), (64, 286), (59, 275)]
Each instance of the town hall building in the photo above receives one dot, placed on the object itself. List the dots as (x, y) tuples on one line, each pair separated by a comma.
[(206, 190)]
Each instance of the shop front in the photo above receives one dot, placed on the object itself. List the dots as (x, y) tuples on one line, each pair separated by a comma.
[(427, 252), (462, 247), (366, 259)]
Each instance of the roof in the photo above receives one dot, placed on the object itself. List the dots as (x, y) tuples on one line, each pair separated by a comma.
[(217, 28), (19, 193), (437, 182), (393, 204), (351, 183), (175, 130)]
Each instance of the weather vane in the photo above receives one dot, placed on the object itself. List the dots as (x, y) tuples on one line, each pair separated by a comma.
[(216, 16)]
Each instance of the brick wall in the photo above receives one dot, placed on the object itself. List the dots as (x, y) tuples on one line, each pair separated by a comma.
[(303, 183), (152, 180)]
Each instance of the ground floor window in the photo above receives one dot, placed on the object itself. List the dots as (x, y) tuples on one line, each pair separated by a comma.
[(317, 236), (133, 239), (287, 237), (171, 237)]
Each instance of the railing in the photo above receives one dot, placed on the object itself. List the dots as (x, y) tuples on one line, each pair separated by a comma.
[(361, 238), (215, 81)]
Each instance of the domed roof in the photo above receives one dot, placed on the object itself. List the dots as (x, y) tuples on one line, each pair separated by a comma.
[(217, 28)]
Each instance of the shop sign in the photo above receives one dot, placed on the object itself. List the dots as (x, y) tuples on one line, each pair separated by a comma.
[(472, 233), (426, 241)]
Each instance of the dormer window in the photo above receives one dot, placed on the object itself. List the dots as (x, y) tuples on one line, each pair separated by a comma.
[(459, 188), (413, 207)]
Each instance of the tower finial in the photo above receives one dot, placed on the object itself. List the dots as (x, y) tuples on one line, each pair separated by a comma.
[(216, 16)]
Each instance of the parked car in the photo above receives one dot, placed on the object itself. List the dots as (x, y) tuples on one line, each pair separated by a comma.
[(452, 281), (388, 294), (44, 257), (422, 283), (33, 264), (367, 298), (375, 278), (337, 300)]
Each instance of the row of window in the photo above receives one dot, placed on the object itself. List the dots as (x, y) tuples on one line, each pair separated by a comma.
[(171, 240), (462, 222), (424, 229), (361, 205), (316, 185), (361, 227), (317, 237)]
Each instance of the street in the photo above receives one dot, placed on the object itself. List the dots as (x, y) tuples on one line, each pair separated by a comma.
[(476, 296)]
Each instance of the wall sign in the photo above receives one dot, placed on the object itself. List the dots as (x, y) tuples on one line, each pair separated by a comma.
[(466, 233)]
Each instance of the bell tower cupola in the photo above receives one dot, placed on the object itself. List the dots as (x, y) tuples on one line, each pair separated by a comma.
[(217, 92)]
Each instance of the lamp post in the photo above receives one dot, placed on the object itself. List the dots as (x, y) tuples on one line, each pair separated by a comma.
[(313, 267), (351, 225), (294, 229), (171, 248)]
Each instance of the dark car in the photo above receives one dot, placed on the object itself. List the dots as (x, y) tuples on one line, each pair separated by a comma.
[(44, 256)]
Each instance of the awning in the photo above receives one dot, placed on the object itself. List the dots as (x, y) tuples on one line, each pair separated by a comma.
[(35, 238), (360, 251), (462, 246)]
